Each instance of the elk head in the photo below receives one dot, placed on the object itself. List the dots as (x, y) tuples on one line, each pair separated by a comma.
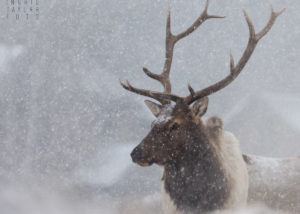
[(173, 128), (176, 121)]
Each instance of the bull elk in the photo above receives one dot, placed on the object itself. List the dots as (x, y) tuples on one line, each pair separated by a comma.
[(200, 174)]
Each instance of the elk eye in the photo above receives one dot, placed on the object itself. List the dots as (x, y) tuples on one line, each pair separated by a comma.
[(175, 126)]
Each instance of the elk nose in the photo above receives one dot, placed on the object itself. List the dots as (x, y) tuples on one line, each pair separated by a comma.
[(136, 155)]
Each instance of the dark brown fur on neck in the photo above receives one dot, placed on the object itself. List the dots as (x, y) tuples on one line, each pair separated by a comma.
[(196, 183)]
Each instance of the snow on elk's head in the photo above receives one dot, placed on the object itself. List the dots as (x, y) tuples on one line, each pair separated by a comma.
[(168, 139)]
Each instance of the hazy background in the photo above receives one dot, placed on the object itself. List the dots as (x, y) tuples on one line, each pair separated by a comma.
[(66, 125)]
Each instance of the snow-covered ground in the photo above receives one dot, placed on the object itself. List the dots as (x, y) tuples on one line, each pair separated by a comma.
[(25, 200), (106, 191)]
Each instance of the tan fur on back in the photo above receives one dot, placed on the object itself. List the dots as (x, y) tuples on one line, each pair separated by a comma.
[(231, 156), (236, 169)]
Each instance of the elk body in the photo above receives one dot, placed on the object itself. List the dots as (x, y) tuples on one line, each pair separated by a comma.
[(275, 182), (200, 174)]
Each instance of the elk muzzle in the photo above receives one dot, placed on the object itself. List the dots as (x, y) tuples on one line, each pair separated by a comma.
[(140, 157)]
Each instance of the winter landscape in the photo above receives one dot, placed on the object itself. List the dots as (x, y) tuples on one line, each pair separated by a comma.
[(67, 127)]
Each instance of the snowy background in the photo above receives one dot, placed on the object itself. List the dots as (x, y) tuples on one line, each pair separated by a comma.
[(67, 127)]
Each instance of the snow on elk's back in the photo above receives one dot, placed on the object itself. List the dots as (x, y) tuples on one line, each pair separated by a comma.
[(275, 165), (275, 182)]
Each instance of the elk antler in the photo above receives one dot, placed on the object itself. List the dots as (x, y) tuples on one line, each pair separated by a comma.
[(164, 77), (235, 70)]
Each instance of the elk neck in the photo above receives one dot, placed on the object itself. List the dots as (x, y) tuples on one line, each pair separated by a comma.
[(196, 182)]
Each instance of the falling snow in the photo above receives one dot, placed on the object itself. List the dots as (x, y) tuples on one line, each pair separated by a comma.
[(67, 127)]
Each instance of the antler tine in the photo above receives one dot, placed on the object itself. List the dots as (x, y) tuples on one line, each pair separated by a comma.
[(202, 18), (164, 77), (192, 91), (236, 70), (266, 29), (143, 92), (151, 75)]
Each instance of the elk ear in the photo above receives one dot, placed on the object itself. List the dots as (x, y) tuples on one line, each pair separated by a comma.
[(200, 107), (154, 107)]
